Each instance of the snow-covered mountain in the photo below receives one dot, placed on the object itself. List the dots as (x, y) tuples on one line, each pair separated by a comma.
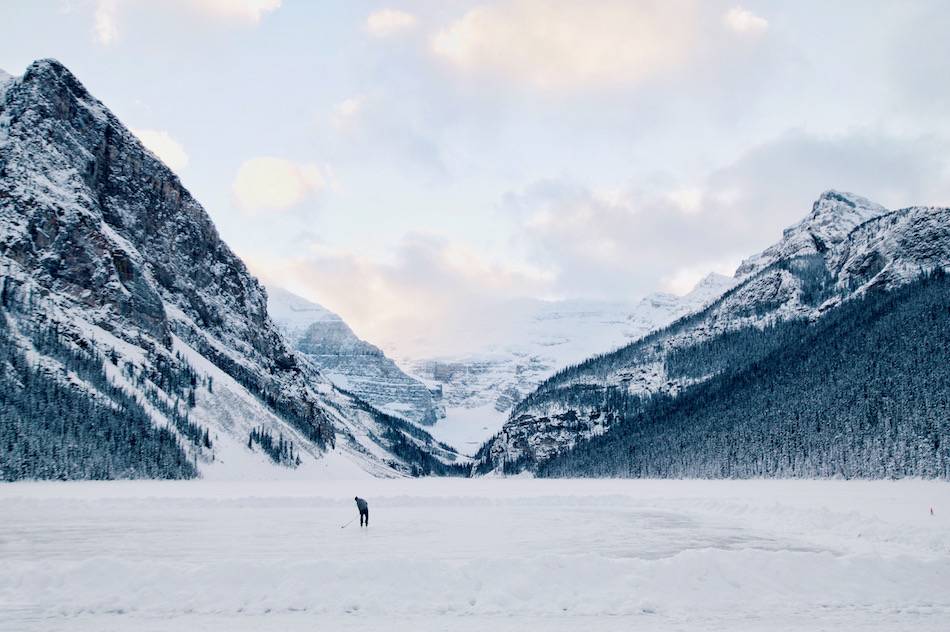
[(351, 363), (479, 388), (844, 247), (116, 284)]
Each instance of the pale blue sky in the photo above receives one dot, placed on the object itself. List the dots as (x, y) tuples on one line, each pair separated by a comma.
[(406, 163)]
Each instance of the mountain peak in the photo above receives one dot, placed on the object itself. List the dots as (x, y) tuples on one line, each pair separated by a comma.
[(839, 203), (843, 197), (54, 93), (47, 70), (295, 312), (47, 64), (833, 216), (712, 280)]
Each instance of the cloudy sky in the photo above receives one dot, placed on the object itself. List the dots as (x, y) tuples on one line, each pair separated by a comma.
[(409, 164)]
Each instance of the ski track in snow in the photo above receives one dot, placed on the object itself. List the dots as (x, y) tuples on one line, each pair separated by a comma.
[(440, 554)]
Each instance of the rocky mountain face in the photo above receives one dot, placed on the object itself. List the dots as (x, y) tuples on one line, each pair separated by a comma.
[(480, 388), (844, 248), (352, 364), (106, 254)]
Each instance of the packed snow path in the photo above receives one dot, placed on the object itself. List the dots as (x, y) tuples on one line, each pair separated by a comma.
[(476, 555)]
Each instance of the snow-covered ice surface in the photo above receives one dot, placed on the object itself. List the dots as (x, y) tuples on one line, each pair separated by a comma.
[(484, 554)]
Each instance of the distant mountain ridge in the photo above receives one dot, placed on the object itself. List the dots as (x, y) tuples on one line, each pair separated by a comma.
[(480, 388), (350, 362), (846, 247), (114, 277)]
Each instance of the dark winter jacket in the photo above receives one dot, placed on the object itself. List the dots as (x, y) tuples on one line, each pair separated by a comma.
[(362, 506)]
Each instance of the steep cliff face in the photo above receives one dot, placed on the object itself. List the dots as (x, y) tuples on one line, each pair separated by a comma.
[(846, 246), (351, 363), (100, 242)]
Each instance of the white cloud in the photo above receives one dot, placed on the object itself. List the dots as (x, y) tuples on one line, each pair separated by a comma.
[(248, 11), (346, 112), (377, 129), (160, 143), (615, 243), (744, 21), (689, 200), (386, 22), (564, 43), (107, 21), (275, 184), (430, 294), (245, 12), (654, 233)]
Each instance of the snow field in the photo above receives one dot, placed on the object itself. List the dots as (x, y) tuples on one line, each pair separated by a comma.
[(465, 554)]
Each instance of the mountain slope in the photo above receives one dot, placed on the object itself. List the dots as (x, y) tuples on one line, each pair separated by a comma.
[(350, 362), (67, 421), (103, 249), (845, 247), (864, 391)]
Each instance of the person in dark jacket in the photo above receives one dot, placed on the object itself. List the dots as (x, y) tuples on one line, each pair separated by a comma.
[(364, 511)]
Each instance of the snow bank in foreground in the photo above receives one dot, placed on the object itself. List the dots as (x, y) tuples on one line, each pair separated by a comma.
[(514, 553)]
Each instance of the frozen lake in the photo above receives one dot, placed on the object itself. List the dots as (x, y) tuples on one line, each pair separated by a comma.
[(476, 555)]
